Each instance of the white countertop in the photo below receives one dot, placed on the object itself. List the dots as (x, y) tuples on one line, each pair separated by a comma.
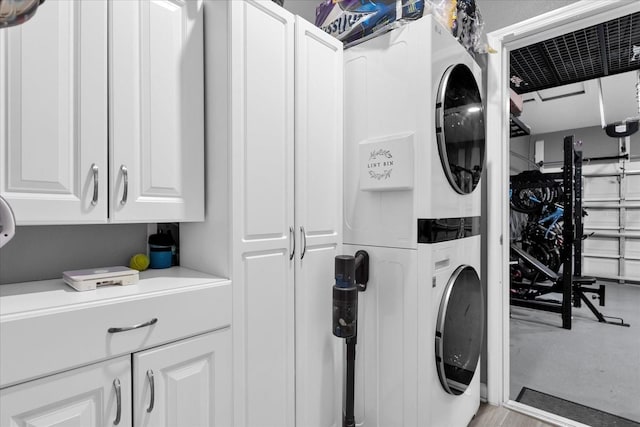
[(19, 299)]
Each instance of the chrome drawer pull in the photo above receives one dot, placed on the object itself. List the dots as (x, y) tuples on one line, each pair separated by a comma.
[(94, 199), (152, 387), (128, 328), (116, 385), (303, 235), (292, 236), (125, 178)]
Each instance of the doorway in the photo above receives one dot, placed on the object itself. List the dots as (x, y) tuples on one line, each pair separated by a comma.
[(578, 15)]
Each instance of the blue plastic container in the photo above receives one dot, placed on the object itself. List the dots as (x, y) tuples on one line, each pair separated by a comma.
[(159, 256)]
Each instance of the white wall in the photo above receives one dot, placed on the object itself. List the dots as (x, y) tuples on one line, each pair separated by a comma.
[(595, 143), (520, 149), (502, 13), (44, 252), (304, 8)]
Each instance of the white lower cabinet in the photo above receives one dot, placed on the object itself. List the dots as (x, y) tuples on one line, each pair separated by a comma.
[(94, 395), (186, 383), (156, 353)]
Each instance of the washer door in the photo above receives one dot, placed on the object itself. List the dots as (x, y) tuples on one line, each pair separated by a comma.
[(460, 129), (459, 330)]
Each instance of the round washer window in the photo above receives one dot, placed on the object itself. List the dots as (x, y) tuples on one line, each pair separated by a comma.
[(460, 128), (459, 330)]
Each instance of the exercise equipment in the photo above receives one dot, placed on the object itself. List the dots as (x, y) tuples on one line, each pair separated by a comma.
[(547, 257)]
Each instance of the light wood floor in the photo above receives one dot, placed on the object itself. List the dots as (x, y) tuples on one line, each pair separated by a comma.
[(497, 416)]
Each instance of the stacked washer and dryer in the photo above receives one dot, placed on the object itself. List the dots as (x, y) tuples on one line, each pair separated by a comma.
[(414, 153)]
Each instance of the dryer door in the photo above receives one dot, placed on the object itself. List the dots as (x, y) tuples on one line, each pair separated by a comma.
[(459, 330), (460, 128)]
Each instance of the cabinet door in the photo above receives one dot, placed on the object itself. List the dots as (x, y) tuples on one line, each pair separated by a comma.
[(53, 114), (83, 397), (187, 383), (156, 111), (318, 217), (262, 68)]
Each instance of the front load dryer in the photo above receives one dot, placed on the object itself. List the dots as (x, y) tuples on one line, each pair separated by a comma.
[(414, 134)]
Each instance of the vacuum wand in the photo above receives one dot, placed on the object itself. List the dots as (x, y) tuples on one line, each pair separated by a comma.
[(348, 270)]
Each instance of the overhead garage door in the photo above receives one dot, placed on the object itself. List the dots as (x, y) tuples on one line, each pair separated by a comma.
[(611, 197)]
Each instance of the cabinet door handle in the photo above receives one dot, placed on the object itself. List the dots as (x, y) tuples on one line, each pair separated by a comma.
[(128, 328), (116, 385), (292, 236), (125, 179), (153, 390), (94, 169), (303, 236)]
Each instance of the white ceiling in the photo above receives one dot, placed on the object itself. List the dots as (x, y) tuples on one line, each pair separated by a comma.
[(578, 110)]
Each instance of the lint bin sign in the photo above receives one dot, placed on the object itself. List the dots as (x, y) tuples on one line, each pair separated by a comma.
[(386, 164)]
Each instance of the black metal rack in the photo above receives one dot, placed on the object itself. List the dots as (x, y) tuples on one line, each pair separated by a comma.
[(571, 284)]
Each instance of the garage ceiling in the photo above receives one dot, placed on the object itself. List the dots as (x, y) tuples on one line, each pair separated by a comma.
[(577, 105), (562, 80), (605, 49)]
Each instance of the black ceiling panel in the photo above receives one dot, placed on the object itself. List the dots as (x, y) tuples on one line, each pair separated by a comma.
[(531, 69), (620, 37), (593, 52), (575, 56)]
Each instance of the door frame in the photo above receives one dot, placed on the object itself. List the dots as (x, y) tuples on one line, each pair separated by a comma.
[(573, 17)]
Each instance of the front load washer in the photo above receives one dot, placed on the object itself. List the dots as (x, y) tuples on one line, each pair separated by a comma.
[(414, 134), (420, 330), (450, 331)]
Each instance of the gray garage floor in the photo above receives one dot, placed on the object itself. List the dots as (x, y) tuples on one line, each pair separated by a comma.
[(594, 364)]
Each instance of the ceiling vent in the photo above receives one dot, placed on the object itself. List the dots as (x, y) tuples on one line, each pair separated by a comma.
[(605, 49)]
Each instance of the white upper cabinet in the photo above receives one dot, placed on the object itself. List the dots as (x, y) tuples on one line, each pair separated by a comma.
[(156, 110), (53, 114), (102, 113)]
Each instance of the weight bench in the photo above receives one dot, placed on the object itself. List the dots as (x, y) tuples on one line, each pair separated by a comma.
[(578, 284), (531, 261)]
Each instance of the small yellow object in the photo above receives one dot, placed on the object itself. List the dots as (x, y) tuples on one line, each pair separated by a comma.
[(139, 262)]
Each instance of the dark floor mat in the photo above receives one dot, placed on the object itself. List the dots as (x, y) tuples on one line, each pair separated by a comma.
[(571, 410)]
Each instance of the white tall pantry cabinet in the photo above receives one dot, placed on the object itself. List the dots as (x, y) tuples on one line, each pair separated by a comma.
[(274, 207), (318, 218)]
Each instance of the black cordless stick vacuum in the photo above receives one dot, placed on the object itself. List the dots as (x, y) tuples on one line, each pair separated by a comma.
[(352, 275)]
